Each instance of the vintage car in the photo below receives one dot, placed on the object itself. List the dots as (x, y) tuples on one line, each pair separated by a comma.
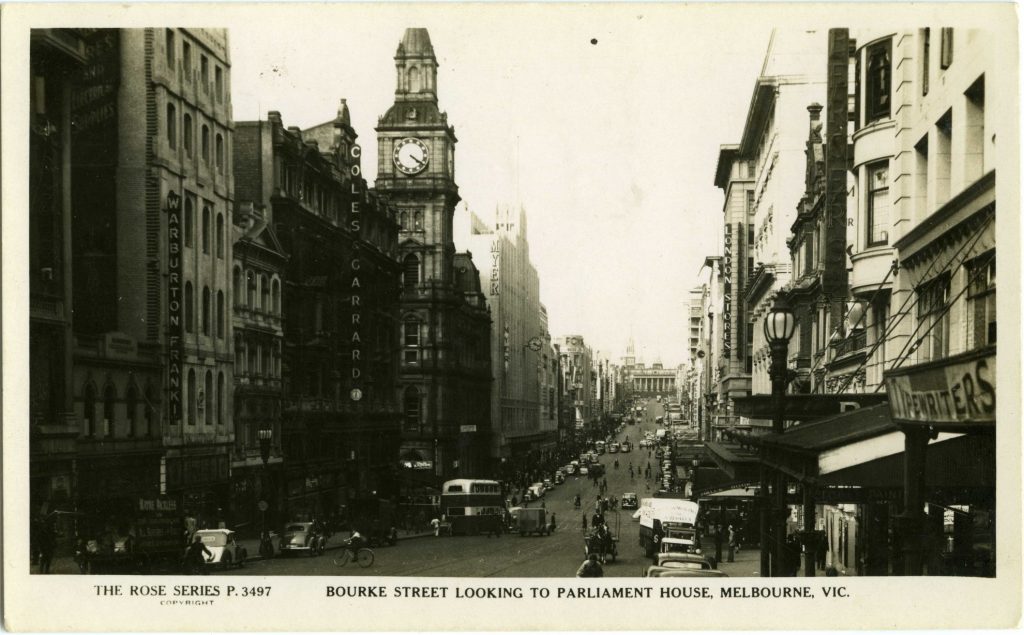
[(224, 547), (535, 491), (629, 500), (670, 572), (663, 559), (303, 537)]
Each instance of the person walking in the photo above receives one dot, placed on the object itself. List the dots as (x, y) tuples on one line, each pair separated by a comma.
[(584, 522), (590, 568), (732, 544)]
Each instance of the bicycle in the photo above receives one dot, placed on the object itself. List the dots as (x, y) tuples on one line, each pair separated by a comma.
[(363, 557)]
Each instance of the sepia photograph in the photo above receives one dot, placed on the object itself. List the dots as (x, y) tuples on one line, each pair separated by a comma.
[(316, 305)]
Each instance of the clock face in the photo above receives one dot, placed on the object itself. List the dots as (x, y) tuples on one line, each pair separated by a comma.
[(411, 156)]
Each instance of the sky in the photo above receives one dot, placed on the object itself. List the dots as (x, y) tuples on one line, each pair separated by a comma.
[(603, 121)]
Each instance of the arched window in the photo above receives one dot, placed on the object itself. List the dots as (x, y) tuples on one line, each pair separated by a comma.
[(411, 271), (220, 399), (206, 229), (239, 356), (172, 126), (417, 221), (219, 152), (189, 309), (208, 399), (275, 291), (187, 133), (109, 397), (220, 315), (204, 146), (253, 363), (272, 360), (264, 294), (190, 220), (251, 282), (89, 410), (151, 412), (414, 80), (131, 399), (206, 310), (236, 285), (277, 365), (411, 407), (220, 235), (404, 220), (191, 397)]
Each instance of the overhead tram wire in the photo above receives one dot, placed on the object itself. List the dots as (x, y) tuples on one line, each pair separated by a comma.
[(897, 318), (900, 358), (835, 329)]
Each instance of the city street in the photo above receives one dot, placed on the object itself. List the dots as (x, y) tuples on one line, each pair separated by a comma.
[(557, 555)]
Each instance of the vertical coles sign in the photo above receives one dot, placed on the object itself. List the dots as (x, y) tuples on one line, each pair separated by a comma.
[(175, 311)]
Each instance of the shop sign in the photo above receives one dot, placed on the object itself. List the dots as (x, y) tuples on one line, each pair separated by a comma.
[(957, 392), (727, 295), (470, 428), (495, 267), (418, 465), (834, 279), (175, 310)]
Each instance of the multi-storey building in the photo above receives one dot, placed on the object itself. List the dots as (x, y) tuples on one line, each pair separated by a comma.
[(578, 370), (520, 343), (151, 191), (338, 305), (445, 396)]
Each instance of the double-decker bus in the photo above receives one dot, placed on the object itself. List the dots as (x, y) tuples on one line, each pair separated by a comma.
[(472, 505)]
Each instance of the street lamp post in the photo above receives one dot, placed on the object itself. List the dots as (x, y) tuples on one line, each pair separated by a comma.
[(265, 436), (779, 326), (693, 477)]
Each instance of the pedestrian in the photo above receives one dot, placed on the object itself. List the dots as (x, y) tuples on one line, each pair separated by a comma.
[(435, 524), (831, 572), (732, 544), (821, 551), (552, 524), (719, 530), (584, 523), (196, 555), (590, 568), (47, 544)]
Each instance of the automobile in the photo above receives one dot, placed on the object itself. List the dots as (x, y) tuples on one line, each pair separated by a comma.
[(662, 559), (559, 477), (536, 491), (224, 547), (669, 572), (549, 484), (303, 537), (570, 469), (625, 447), (584, 470), (629, 500), (613, 448)]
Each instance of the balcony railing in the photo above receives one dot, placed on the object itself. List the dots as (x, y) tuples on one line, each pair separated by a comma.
[(856, 341)]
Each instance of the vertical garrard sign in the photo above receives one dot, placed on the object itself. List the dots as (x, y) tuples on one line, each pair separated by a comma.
[(175, 311), (727, 294), (357, 194)]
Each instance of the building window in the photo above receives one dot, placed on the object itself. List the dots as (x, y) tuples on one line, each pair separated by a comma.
[(218, 75), (172, 126), (411, 408), (208, 399), (187, 134), (206, 229), (220, 315), (220, 235), (190, 219), (169, 48), (151, 412), (206, 311), (191, 397), (131, 399), (219, 149), (264, 294), (189, 308), (109, 397), (933, 318), (404, 220), (417, 221), (878, 204), (204, 146), (410, 271), (926, 59), (204, 73), (879, 82), (411, 340), (186, 59), (220, 399), (89, 410), (974, 131), (946, 45), (236, 284), (981, 297), (251, 284), (275, 291)]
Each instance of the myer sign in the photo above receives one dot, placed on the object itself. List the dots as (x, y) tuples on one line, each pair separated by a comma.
[(956, 392)]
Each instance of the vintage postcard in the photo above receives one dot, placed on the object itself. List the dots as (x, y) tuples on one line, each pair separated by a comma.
[(408, 317)]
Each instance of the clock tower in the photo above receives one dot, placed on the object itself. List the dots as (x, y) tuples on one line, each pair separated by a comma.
[(444, 381)]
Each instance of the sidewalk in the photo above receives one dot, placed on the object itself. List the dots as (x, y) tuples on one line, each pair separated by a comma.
[(746, 563)]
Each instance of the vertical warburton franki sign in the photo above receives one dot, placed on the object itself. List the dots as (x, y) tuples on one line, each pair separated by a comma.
[(175, 311)]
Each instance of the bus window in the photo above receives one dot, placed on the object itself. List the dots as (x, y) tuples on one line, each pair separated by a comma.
[(453, 489)]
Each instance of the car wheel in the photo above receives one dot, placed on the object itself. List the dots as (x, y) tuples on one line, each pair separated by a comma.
[(312, 551)]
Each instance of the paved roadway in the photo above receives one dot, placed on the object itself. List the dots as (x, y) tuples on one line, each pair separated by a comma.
[(557, 555)]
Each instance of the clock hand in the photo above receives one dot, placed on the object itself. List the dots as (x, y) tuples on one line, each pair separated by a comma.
[(420, 161)]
